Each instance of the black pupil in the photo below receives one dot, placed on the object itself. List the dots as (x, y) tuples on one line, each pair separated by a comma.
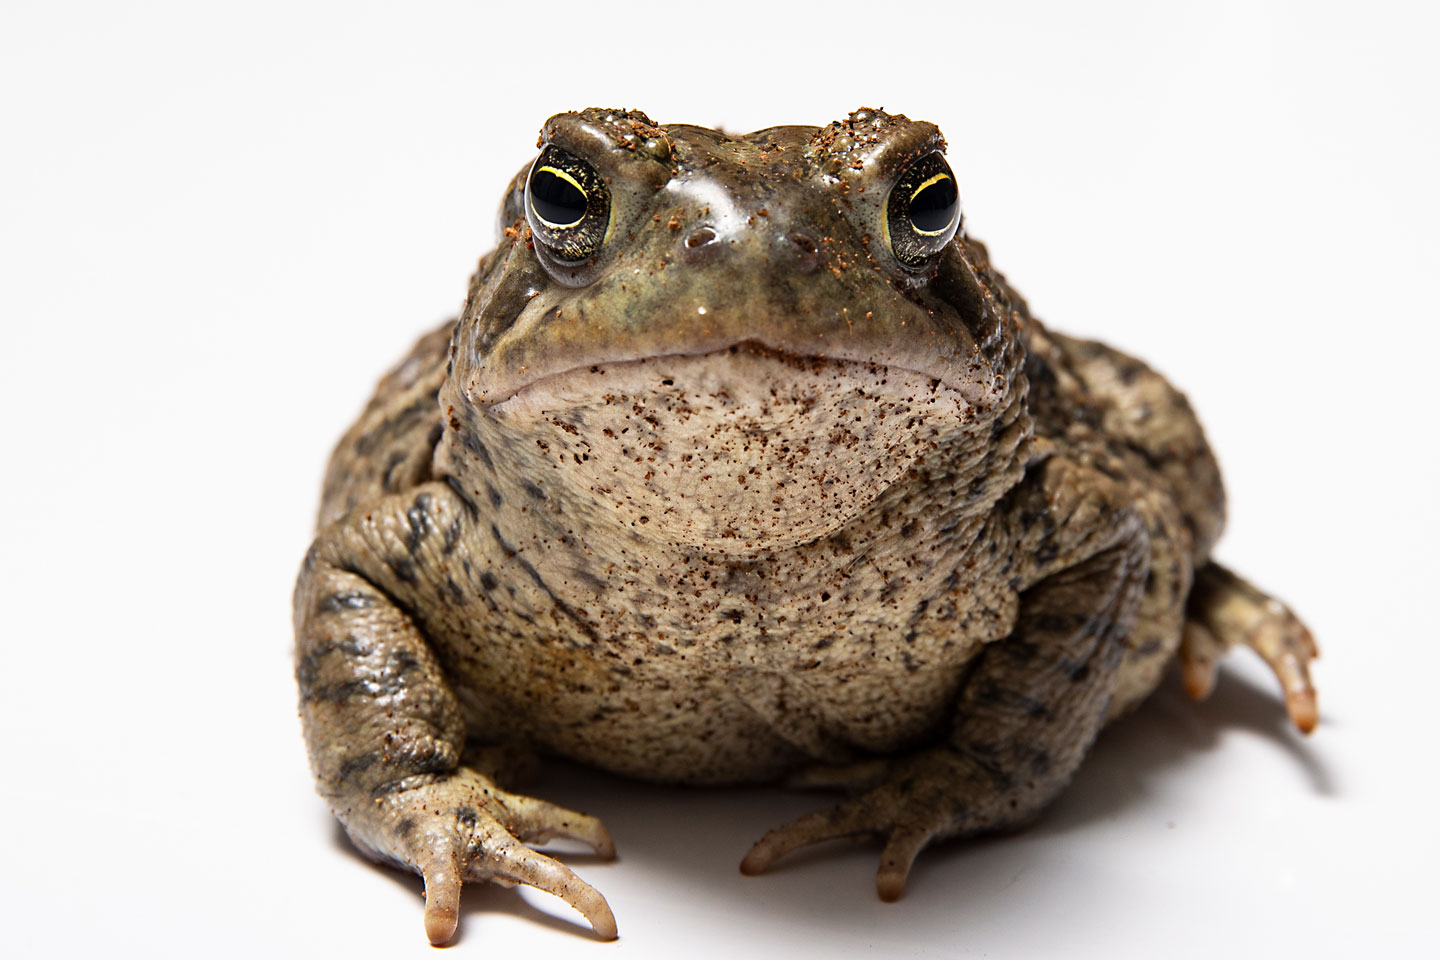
[(556, 199), (934, 207)]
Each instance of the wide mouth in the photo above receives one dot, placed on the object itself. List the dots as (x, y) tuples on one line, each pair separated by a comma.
[(493, 394)]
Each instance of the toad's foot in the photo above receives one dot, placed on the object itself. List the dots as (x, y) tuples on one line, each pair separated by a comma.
[(930, 796), (1225, 611), (462, 827)]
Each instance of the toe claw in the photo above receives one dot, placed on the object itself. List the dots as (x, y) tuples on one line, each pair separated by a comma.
[(903, 847), (599, 840), (1304, 711), (890, 884), (1200, 655), (442, 899), (758, 860), (602, 920), (1300, 700)]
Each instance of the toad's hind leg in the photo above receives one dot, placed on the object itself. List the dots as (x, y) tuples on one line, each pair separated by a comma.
[(1226, 611)]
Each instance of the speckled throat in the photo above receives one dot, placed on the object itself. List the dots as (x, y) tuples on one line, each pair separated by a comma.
[(736, 452)]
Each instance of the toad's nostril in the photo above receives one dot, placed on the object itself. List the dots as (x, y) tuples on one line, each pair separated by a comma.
[(700, 237), (805, 242), (806, 251)]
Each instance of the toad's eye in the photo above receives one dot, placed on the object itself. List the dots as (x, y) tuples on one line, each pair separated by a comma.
[(567, 204), (923, 211), (558, 199)]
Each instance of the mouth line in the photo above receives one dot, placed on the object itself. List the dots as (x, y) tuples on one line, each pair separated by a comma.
[(752, 345)]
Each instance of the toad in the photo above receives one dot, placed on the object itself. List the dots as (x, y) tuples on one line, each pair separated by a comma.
[(741, 464)]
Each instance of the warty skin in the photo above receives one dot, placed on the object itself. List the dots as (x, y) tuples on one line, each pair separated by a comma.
[(743, 494)]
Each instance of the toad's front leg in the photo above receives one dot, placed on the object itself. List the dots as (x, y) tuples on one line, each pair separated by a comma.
[(384, 729), (1030, 707)]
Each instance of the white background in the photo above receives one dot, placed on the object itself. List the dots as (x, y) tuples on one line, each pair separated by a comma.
[(219, 225)]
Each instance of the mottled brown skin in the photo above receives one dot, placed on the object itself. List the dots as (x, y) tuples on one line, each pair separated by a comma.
[(742, 497)]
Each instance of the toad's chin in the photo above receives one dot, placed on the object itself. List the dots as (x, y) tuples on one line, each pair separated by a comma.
[(736, 451)]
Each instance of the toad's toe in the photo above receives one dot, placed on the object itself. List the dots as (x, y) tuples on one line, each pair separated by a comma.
[(1226, 611)]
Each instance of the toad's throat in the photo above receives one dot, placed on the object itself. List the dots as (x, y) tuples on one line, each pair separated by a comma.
[(732, 449)]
